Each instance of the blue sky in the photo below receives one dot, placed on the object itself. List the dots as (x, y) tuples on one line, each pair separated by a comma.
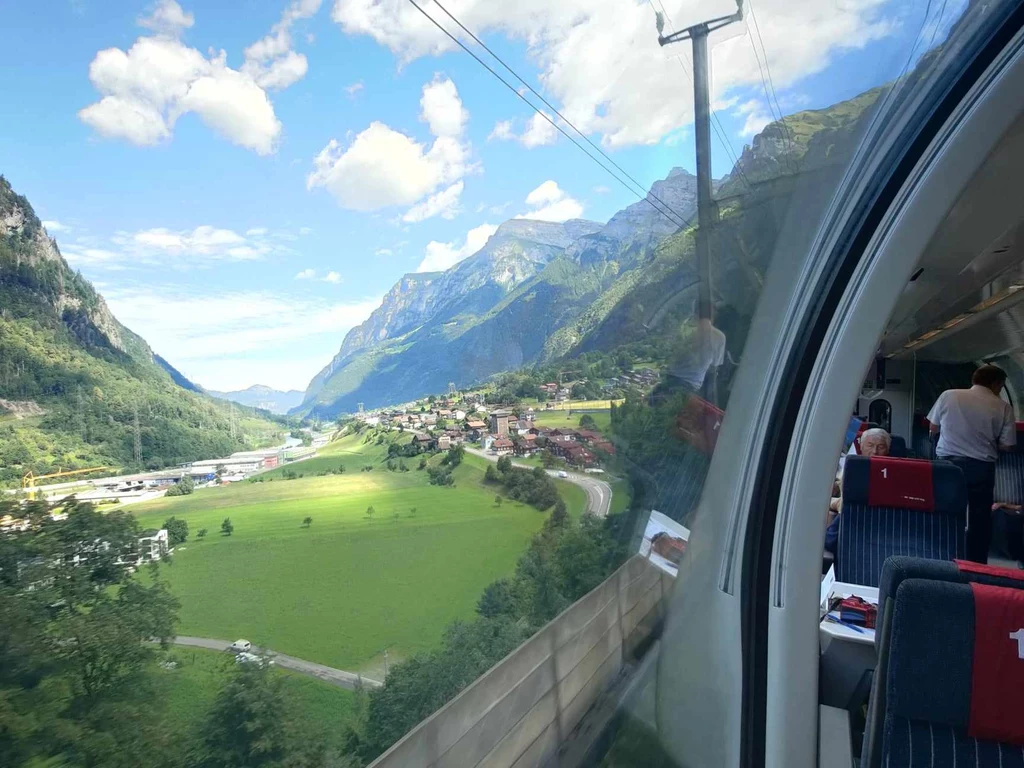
[(244, 180)]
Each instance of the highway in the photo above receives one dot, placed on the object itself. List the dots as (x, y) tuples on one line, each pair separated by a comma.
[(339, 677), (599, 492)]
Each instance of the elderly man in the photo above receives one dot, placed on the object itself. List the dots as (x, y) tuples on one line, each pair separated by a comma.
[(874, 442)]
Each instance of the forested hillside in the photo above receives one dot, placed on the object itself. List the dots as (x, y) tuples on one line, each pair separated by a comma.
[(76, 386)]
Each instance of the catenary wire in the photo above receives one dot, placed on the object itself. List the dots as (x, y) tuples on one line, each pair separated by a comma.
[(550, 106), (669, 214)]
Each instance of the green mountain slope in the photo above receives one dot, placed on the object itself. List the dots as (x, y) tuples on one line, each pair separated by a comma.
[(74, 382)]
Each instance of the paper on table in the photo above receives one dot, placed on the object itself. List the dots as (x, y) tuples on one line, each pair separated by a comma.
[(826, 587)]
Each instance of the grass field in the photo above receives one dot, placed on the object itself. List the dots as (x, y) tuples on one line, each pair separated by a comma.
[(350, 586), (593, 405), (603, 419), (318, 708)]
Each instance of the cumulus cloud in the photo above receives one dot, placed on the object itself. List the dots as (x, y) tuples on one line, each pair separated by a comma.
[(52, 225), (600, 59), (332, 277), (549, 202), (537, 132), (383, 252), (167, 17), (183, 247), (444, 203), (96, 258), (145, 89), (353, 89), (757, 116), (441, 256), (306, 274), (382, 167)]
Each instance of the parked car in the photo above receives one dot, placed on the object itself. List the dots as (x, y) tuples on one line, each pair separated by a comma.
[(563, 473), (240, 646)]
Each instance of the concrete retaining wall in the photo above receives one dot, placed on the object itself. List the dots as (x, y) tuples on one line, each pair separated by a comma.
[(517, 713)]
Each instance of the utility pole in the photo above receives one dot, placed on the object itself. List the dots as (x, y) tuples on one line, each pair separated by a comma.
[(707, 212)]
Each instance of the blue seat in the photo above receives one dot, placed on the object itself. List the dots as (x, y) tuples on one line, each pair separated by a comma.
[(898, 447), (1010, 472), (952, 689), (898, 507), (895, 571)]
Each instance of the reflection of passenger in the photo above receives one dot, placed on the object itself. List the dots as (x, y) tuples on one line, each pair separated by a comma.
[(668, 546), (703, 350), (874, 442)]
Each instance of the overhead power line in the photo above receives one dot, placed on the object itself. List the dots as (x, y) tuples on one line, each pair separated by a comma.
[(667, 212), (771, 83), (716, 122), (550, 106)]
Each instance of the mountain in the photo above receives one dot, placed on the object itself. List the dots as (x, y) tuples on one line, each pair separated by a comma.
[(77, 388), (539, 292), (260, 396), (514, 302)]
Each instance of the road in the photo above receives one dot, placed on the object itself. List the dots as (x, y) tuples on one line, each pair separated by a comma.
[(339, 677), (599, 492)]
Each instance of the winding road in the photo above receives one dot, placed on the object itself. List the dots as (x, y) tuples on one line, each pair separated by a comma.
[(339, 677), (599, 492)]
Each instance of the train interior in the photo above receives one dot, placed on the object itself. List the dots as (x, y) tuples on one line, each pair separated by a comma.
[(960, 309)]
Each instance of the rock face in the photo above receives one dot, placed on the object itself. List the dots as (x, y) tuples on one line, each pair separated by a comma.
[(83, 310), (497, 309)]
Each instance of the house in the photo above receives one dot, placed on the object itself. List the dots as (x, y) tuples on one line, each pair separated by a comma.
[(424, 441), (458, 414), (604, 446), (475, 424), (456, 436), (501, 445), (574, 454), (444, 442), (561, 435), (153, 545), (500, 421), (429, 418), (524, 447), (587, 435), (444, 413)]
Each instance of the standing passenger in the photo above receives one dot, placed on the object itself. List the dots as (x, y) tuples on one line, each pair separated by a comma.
[(974, 425)]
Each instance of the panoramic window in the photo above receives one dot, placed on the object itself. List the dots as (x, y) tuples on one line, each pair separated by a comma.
[(362, 362)]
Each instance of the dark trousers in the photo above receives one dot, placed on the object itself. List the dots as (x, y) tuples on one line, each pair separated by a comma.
[(981, 483)]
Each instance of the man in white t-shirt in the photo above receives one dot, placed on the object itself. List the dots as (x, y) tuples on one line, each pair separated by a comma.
[(973, 426)]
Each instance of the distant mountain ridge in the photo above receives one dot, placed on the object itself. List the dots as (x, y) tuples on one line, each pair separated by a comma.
[(264, 397), (495, 310)]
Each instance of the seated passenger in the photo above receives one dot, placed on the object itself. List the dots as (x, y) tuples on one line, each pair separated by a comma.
[(874, 442)]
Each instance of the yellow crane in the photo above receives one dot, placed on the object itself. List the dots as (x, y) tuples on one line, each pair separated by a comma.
[(28, 481)]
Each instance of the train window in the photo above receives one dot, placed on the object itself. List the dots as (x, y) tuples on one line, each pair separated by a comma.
[(880, 413)]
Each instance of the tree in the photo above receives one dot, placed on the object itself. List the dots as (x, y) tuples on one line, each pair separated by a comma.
[(394, 517), (307, 521), (504, 464), (177, 531), (246, 725), (497, 600), (498, 500), (370, 512), (201, 533), (226, 527), (587, 421), (412, 512), (219, 472)]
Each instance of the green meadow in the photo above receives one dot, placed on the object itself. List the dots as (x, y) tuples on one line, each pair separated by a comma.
[(350, 585)]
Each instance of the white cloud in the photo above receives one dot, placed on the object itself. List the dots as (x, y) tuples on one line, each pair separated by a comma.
[(601, 189), (600, 61), (332, 277), (305, 230), (353, 89), (382, 167), (442, 108), (442, 256), (229, 340), (306, 274), (757, 117), (167, 18), (145, 89), (53, 225), (551, 203), (444, 203), (538, 132), (203, 244), (91, 258), (383, 252)]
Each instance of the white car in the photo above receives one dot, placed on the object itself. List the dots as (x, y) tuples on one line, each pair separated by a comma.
[(240, 646), (563, 473)]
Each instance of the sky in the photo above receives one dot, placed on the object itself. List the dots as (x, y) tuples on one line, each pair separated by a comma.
[(243, 180)]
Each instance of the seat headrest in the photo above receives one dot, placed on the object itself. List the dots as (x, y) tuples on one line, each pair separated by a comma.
[(903, 483), (974, 634)]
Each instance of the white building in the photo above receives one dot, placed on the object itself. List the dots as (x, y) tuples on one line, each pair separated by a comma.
[(153, 546)]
